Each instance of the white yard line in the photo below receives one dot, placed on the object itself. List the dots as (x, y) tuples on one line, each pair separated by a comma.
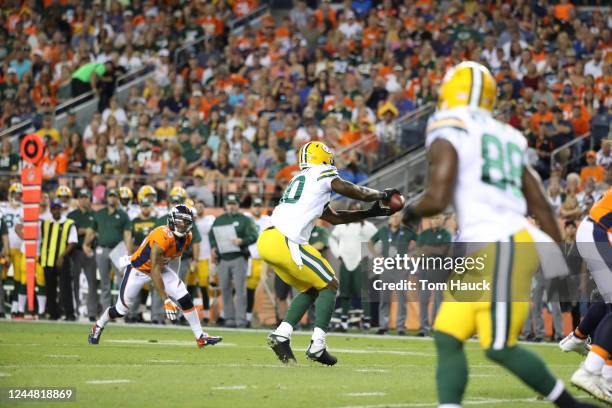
[(371, 370), (63, 355), (165, 361), (117, 381), (164, 342), (230, 387), (365, 394), (5, 375), (485, 402)]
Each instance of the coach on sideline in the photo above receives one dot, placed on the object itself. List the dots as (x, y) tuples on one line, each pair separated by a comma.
[(83, 217), (111, 226), (232, 266)]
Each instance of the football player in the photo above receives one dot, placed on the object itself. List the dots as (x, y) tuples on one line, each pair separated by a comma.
[(125, 201), (142, 226), (150, 194), (284, 245), (480, 165), (595, 374), (13, 218), (150, 264), (64, 193), (255, 265), (188, 262)]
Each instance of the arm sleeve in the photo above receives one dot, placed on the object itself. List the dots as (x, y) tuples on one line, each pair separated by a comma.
[(333, 241), (72, 234), (127, 224), (196, 236), (376, 237), (211, 236), (3, 229), (250, 232)]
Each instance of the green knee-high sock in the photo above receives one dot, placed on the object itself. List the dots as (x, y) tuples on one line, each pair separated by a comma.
[(299, 305), (324, 308), (452, 370), (525, 365)]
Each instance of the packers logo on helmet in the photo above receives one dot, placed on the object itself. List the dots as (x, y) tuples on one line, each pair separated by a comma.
[(125, 195), (177, 195), (147, 192), (63, 192), (15, 192), (468, 84), (313, 154)]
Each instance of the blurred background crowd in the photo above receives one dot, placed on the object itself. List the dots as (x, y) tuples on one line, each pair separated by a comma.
[(222, 110)]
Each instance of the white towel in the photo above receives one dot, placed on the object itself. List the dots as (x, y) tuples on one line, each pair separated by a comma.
[(295, 253), (552, 260)]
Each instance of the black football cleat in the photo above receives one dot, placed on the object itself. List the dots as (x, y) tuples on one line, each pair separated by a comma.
[(321, 356), (95, 334), (282, 348)]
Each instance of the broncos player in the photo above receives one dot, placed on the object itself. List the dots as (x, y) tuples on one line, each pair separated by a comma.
[(480, 165), (595, 374), (284, 245), (150, 264)]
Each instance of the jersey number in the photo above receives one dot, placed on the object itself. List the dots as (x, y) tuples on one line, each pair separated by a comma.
[(293, 192), (497, 158)]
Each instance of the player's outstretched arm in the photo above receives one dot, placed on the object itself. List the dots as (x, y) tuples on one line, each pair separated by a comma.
[(336, 217), (537, 204), (443, 162), (350, 190)]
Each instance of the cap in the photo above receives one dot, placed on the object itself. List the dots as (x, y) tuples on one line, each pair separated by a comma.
[(112, 192), (591, 153), (83, 192), (231, 199), (56, 202), (198, 172), (197, 92), (257, 202), (164, 53), (12, 70)]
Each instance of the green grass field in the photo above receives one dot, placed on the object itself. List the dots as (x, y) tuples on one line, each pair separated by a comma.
[(150, 366)]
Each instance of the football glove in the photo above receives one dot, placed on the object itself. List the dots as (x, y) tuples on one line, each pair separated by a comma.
[(377, 210), (170, 308), (388, 192)]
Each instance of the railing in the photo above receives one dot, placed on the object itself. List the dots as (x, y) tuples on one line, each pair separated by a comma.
[(576, 151), (27, 125), (219, 186), (411, 135)]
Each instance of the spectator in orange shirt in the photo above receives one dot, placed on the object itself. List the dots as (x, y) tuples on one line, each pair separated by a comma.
[(543, 115), (580, 122), (55, 161), (564, 11), (592, 169)]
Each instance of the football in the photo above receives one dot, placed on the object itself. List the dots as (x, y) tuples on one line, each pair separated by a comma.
[(396, 202)]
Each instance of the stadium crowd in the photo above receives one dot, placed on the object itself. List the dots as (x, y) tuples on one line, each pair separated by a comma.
[(242, 103)]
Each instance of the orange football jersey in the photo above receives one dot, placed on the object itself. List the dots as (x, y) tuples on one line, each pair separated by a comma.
[(171, 246), (601, 212)]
